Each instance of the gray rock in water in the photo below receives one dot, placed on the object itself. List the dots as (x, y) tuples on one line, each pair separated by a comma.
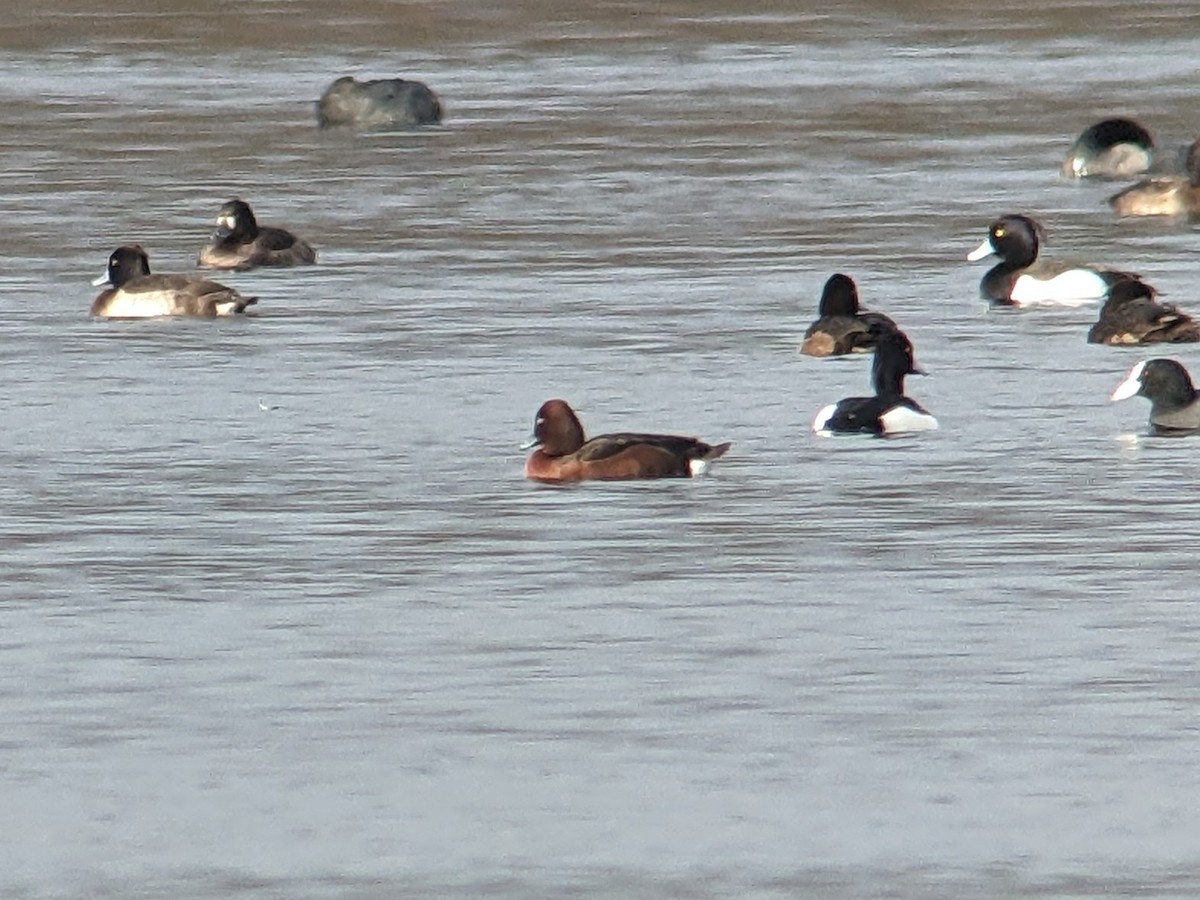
[(386, 102)]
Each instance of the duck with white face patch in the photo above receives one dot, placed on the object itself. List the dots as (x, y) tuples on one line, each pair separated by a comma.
[(239, 242), (1174, 401)]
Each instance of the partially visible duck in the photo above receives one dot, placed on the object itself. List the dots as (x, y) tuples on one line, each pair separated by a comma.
[(383, 103), (239, 242), (1017, 281), (134, 293), (1174, 401), (1131, 315), (1111, 148), (1176, 195), (842, 326), (564, 454), (889, 411)]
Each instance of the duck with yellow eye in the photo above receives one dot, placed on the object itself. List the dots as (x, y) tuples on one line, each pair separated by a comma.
[(1020, 279)]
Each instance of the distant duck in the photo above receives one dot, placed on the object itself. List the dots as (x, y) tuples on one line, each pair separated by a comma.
[(1174, 401), (1176, 195), (383, 103), (1111, 148), (889, 411), (842, 327), (1131, 316), (239, 242), (563, 453), (134, 293), (1017, 281)]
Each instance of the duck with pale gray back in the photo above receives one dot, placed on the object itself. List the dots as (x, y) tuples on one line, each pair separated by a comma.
[(134, 293)]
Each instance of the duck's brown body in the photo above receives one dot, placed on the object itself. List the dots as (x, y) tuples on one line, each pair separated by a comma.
[(239, 242), (134, 293), (565, 455), (1131, 316)]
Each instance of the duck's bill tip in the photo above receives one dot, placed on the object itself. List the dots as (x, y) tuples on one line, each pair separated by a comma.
[(984, 249)]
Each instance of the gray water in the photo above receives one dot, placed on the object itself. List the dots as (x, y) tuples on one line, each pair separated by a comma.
[(338, 647)]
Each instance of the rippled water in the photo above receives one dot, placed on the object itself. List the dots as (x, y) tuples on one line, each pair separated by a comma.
[(338, 647)]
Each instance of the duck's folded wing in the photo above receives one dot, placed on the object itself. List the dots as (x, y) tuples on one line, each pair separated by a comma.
[(607, 445), (855, 414)]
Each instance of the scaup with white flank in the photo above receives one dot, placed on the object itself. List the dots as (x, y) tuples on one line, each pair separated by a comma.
[(1111, 148), (1132, 316), (1166, 195), (134, 293), (1019, 279), (564, 454), (842, 326), (889, 411), (382, 103), (239, 242), (1174, 401)]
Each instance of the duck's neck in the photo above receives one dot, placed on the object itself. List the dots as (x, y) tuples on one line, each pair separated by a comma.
[(997, 284), (888, 382)]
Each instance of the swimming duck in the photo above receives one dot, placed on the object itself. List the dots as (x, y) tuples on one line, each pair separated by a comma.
[(1016, 281), (842, 327), (564, 454), (889, 411), (383, 103), (1174, 401), (239, 242), (1111, 148), (1176, 195), (134, 293), (1131, 315)]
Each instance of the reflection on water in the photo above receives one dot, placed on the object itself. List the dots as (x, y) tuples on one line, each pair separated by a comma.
[(339, 648)]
